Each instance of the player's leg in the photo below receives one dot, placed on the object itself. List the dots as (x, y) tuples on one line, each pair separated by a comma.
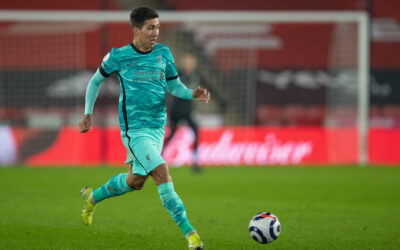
[(147, 147), (135, 181), (174, 205), (192, 124), (118, 185), (124, 182)]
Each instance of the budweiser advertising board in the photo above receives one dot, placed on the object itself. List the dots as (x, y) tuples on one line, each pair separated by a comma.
[(223, 146), (227, 146), (262, 146)]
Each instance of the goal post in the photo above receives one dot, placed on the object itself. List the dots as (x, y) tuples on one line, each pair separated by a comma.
[(190, 18)]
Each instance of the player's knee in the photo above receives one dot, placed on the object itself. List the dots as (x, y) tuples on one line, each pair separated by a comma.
[(135, 183), (161, 175), (136, 186)]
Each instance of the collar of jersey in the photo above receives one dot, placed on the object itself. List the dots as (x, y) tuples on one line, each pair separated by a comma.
[(139, 51)]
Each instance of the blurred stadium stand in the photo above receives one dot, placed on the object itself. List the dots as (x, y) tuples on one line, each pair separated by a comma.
[(300, 51), (268, 5)]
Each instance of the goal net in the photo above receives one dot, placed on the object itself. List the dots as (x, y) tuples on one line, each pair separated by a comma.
[(275, 69)]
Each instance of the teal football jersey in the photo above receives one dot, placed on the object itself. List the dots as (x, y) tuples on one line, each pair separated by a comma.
[(142, 77)]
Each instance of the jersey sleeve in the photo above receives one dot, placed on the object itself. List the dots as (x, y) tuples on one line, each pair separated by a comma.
[(109, 64), (92, 91), (171, 72), (178, 89)]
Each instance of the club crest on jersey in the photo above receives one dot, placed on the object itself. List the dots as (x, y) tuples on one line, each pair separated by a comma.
[(159, 59)]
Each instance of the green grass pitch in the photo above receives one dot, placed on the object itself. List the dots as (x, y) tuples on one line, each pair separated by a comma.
[(319, 208)]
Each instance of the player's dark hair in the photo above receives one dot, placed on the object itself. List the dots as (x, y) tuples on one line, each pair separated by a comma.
[(140, 15)]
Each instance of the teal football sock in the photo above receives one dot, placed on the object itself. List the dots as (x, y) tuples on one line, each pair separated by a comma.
[(174, 206), (114, 187)]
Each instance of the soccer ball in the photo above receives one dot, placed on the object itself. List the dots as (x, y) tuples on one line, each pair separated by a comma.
[(264, 227)]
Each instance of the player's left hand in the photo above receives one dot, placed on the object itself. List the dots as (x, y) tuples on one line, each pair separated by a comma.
[(200, 94)]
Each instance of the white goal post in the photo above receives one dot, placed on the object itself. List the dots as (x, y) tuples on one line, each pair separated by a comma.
[(359, 17)]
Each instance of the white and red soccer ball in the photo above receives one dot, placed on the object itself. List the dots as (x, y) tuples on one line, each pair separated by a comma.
[(264, 228)]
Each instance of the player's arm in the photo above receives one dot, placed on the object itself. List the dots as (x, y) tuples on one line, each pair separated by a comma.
[(92, 92), (178, 89)]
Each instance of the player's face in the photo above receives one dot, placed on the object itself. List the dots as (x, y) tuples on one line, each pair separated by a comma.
[(148, 34)]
